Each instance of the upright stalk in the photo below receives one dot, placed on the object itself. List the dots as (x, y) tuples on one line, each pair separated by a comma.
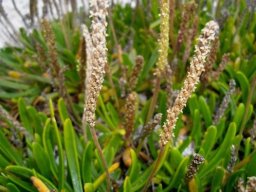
[(96, 54), (163, 45), (153, 100), (158, 163), (202, 51)]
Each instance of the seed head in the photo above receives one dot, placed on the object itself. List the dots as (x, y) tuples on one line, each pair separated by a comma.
[(226, 100), (96, 57), (202, 51), (163, 41), (194, 166)]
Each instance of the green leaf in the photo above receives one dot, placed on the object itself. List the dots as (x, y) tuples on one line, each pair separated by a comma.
[(209, 140), (251, 166), (102, 128), (193, 103), (175, 158), (220, 154), (13, 85), (127, 185), (24, 38), (3, 189), (9, 151), (212, 102), (134, 168), (221, 127), (141, 180), (62, 110), (155, 23), (162, 100), (87, 163), (196, 133), (30, 92), (239, 115), (247, 147), (72, 155), (24, 172), (250, 112), (25, 185), (113, 114), (41, 158), (3, 162), (8, 61), (20, 171), (179, 175), (106, 115), (109, 154), (148, 65), (12, 187), (58, 31), (184, 144), (3, 180), (244, 83), (61, 166), (48, 147), (88, 187), (151, 144), (217, 179), (24, 116), (35, 120), (204, 108)]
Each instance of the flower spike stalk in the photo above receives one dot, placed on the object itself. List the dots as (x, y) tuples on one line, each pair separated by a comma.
[(202, 51), (163, 45), (97, 58), (96, 54)]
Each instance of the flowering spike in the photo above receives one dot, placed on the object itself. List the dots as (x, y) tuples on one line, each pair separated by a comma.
[(202, 51)]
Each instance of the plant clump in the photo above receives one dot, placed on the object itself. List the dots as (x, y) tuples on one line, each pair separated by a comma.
[(152, 96)]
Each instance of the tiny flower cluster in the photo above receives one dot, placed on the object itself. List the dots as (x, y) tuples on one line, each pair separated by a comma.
[(202, 51)]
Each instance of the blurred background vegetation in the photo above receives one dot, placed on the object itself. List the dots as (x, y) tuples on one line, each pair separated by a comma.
[(42, 99)]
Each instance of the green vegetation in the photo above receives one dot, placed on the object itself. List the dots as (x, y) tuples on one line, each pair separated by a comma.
[(47, 145)]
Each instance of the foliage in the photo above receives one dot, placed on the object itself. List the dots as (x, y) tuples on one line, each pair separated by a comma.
[(56, 154)]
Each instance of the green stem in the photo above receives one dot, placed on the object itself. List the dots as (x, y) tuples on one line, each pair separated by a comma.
[(141, 141), (158, 163), (150, 111), (97, 144)]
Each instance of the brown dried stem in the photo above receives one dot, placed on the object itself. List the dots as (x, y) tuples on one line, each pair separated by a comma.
[(57, 73), (187, 13)]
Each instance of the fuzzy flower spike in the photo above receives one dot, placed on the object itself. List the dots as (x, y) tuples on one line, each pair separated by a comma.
[(201, 53), (96, 52), (163, 41), (96, 60)]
